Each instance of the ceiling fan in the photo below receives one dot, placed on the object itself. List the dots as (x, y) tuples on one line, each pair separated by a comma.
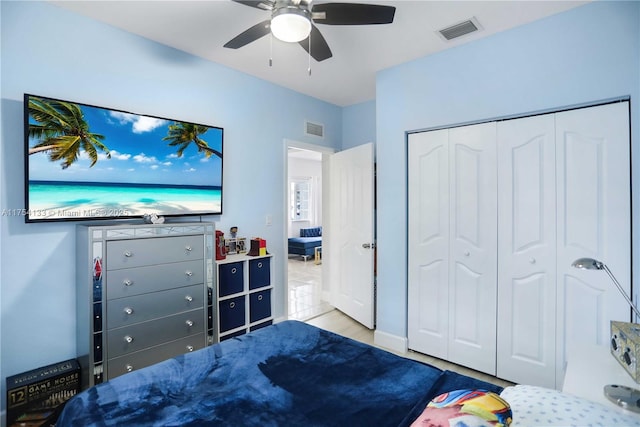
[(293, 21)]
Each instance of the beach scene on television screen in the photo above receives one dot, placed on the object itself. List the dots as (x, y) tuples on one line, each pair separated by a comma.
[(92, 162)]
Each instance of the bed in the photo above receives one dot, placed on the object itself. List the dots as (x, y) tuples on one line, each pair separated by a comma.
[(287, 374), (294, 374)]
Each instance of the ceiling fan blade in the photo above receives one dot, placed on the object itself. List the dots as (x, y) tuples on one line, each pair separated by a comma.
[(258, 4), (352, 14), (319, 47), (250, 35)]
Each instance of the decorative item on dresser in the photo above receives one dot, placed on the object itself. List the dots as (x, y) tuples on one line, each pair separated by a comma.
[(244, 294), (144, 294)]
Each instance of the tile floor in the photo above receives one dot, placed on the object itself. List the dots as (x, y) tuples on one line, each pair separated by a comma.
[(305, 289)]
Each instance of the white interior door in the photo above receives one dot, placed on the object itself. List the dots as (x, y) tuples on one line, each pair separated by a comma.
[(473, 229), (527, 251), (352, 245), (594, 220), (452, 245), (428, 240)]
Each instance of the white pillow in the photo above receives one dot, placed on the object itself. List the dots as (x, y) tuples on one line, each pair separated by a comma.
[(539, 406)]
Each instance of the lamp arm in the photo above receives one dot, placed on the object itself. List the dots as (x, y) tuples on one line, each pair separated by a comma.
[(624, 294)]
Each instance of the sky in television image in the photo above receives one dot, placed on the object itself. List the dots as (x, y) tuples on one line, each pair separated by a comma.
[(82, 158)]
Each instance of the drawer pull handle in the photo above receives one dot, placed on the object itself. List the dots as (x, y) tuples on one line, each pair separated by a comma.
[(188, 273), (532, 260), (233, 270), (467, 253), (259, 265), (259, 297), (189, 323), (127, 282), (189, 348), (129, 368), (128, 310), (188, 248), (232, 304), (128, 254), (128, 338), (188, 298)]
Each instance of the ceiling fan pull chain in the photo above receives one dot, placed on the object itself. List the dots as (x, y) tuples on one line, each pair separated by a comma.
[(270, 49), (309, 56)]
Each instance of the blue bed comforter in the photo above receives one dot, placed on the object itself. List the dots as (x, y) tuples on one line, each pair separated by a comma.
[(288, 374)]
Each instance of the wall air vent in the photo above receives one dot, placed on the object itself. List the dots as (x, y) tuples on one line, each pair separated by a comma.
[(460, 29), (313, 129)]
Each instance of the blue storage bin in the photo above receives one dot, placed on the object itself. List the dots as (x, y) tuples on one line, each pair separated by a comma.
[(259, 305), (232, 313), (259, 273), (231, 278)]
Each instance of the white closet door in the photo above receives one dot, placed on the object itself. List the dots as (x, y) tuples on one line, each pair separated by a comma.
[(594, 220), (428, 240), (527, 251), (473, 251)]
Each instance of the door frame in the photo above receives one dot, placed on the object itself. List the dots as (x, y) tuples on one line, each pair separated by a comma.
[(326, 225)]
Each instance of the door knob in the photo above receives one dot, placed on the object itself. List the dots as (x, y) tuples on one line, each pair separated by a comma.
[(368, 245)]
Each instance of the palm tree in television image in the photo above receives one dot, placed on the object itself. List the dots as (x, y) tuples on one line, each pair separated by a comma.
[(62, 132), (183, 134)]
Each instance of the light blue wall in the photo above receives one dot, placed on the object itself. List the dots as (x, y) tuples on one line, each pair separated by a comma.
[(51, 52), (358, 124), (583, 55)]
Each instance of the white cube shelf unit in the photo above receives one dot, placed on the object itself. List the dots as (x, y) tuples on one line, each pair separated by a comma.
[(243, 294)]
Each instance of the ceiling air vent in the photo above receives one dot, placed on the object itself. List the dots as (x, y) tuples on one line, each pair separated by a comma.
[(459, 30), (314, 129)]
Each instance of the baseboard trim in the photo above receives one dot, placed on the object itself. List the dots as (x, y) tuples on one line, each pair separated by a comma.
[(392, 342)]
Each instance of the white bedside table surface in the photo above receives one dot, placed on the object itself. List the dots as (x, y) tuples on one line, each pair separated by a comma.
[(589, 369)]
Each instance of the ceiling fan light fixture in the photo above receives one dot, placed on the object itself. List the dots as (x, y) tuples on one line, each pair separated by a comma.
[(290, 24)]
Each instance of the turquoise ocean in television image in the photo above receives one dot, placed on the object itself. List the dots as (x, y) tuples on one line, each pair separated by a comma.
[(57, 199)]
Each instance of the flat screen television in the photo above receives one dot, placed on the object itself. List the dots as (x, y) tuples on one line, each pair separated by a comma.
[(84, 162)]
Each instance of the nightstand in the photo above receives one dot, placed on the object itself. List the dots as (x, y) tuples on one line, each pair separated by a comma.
[(589, 369)]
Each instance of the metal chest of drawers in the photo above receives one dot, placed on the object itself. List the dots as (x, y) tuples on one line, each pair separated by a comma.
[(145, 294)]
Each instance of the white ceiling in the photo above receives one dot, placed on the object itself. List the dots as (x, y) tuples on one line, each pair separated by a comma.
[(202, 27)]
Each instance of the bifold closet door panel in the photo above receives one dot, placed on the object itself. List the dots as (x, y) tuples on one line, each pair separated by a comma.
[(428, 240), (527, 250), (473, 250), (594, 220)]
